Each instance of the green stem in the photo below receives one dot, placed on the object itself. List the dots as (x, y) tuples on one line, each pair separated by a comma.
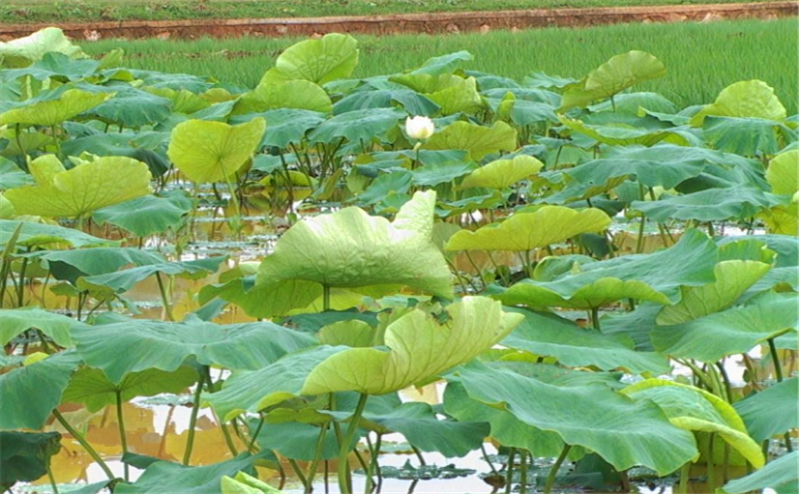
[(725, 380), (51, 478), (551, 477), (164, 297), (299, 472), (683, 486), (255, 434), (418, 453), (776, 361), (121, 424), (523, 473), (187, 454), (510, 469), (711, 474), (487, 460), (344, 449), (83, 442), (312, 470), (21, 285), (326, 298), (596, 318)]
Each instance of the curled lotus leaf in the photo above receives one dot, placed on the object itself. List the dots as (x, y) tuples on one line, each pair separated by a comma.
[(78, 191), (744, 99), (504, 173), (526, 231), (419, 348), (301, 95), (350, 249), (21, 52), (475, 139)]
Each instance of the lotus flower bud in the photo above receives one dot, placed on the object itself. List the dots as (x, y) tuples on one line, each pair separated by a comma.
[(419, 127)]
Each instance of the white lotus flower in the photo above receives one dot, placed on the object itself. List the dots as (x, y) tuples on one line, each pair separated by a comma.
[(419, 127)]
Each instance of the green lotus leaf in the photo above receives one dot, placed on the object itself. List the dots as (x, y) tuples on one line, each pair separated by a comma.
[(655, 277), (733, 278), (284, 126), (413, 102), (21, 52), (14, 322), (733, 331), (266, 300), (462, 97), (242, 483), (782, 173), (140, 345), (51, 112), (76, 192), (296, 94), (553, 336), (527, 231), (350, 249), (624, 135), (427, 83), (694, 409), (708, 205), (26, 456), (146, 215), (92, 388), (36, 388), (444, 64), (122, 281), (253, 391), (211, 151), (183, 100), (772, 411), (501, 174), (744, 136), (435, 174), (617, 74), (334, 56), (781, 475), (353, 333), (57, 66), (744, 99), (639, 103), (40, 234), (623, 432), (420, 348), (475, 139), (357, 126), (133, 108), (69, 265)]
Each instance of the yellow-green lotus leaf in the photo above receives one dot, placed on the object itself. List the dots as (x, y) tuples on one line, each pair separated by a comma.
[(334, 56), (744, 99), (76, 192), (527, 231), (476, 139), (351, 249), (694, 409), (420, 348), (69, 104), (211, 151), (22, 52), (353, 333), (299, 94), (783, 171), (733, 278), (500, 174)]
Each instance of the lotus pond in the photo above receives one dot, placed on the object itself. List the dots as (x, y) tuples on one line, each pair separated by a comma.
[(546, 285)]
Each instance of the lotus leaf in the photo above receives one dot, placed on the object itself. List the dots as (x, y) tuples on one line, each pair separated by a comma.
[(26, 456), (298, 94), (122, 281), (708, 205), (51, 112), (413, 102), (780, 475), (357, 126), (334, 56), (40, 234), (744, 99), (242, 483), (475, 139), (501, 174), (772, 411), (23, 51), (14, 322), (146, 215)]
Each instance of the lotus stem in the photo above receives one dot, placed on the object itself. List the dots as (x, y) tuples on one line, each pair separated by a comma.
[(551, 477), (122, 438), (710, 473), (596, 318), (418, 453), (164, 297), (312, 470), (487, 460), (776, 361), (21, 284), (252, 442), (683, 486), (83, 442), (187, 454), (51, 478), (344, 449), (725, 380), (523, 472), (299, 472), (510, 469), (374, 465), (326, 298)]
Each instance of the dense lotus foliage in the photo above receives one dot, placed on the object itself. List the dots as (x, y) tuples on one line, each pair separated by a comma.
[(570, 265)]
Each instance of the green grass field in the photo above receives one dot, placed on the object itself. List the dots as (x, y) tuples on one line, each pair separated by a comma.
[(23, 11), (701, 59)]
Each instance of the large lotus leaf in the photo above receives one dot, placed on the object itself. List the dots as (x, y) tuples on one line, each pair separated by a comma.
[(32, 391), (552, 336), (781, 475), (301, 95), (26, 456), (708, 205), (526, 231), (625, 135), (183, 101), (475, 139), (357, 126), (420, 348), (245, 484), (733, 278), (122, 281), (92, 388), (21, 52), (504, 173), (54, 65), (16, 321), (426, 83), (744, 99), (783, 219), (133, 108), (444, 64), (462, 97), (41, 234), (772, 411), (284, 126), (623, 432), (265, 300), (211, 151), (76, 192), (413, 102), (68, 265), (349, 249), (334, 56), (744, 136), (782, 173), (166, 476), (253, 391), (146, 215), (694, 409), (655, 277), (135, 346), (617, 74), (435, 174), (51, 112), (505, 427), (733, 331), (298, 440)]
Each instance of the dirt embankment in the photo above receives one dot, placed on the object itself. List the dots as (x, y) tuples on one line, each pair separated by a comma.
[(432, 23)]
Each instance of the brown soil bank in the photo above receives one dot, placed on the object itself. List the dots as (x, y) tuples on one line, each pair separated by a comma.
[(451, 22)]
